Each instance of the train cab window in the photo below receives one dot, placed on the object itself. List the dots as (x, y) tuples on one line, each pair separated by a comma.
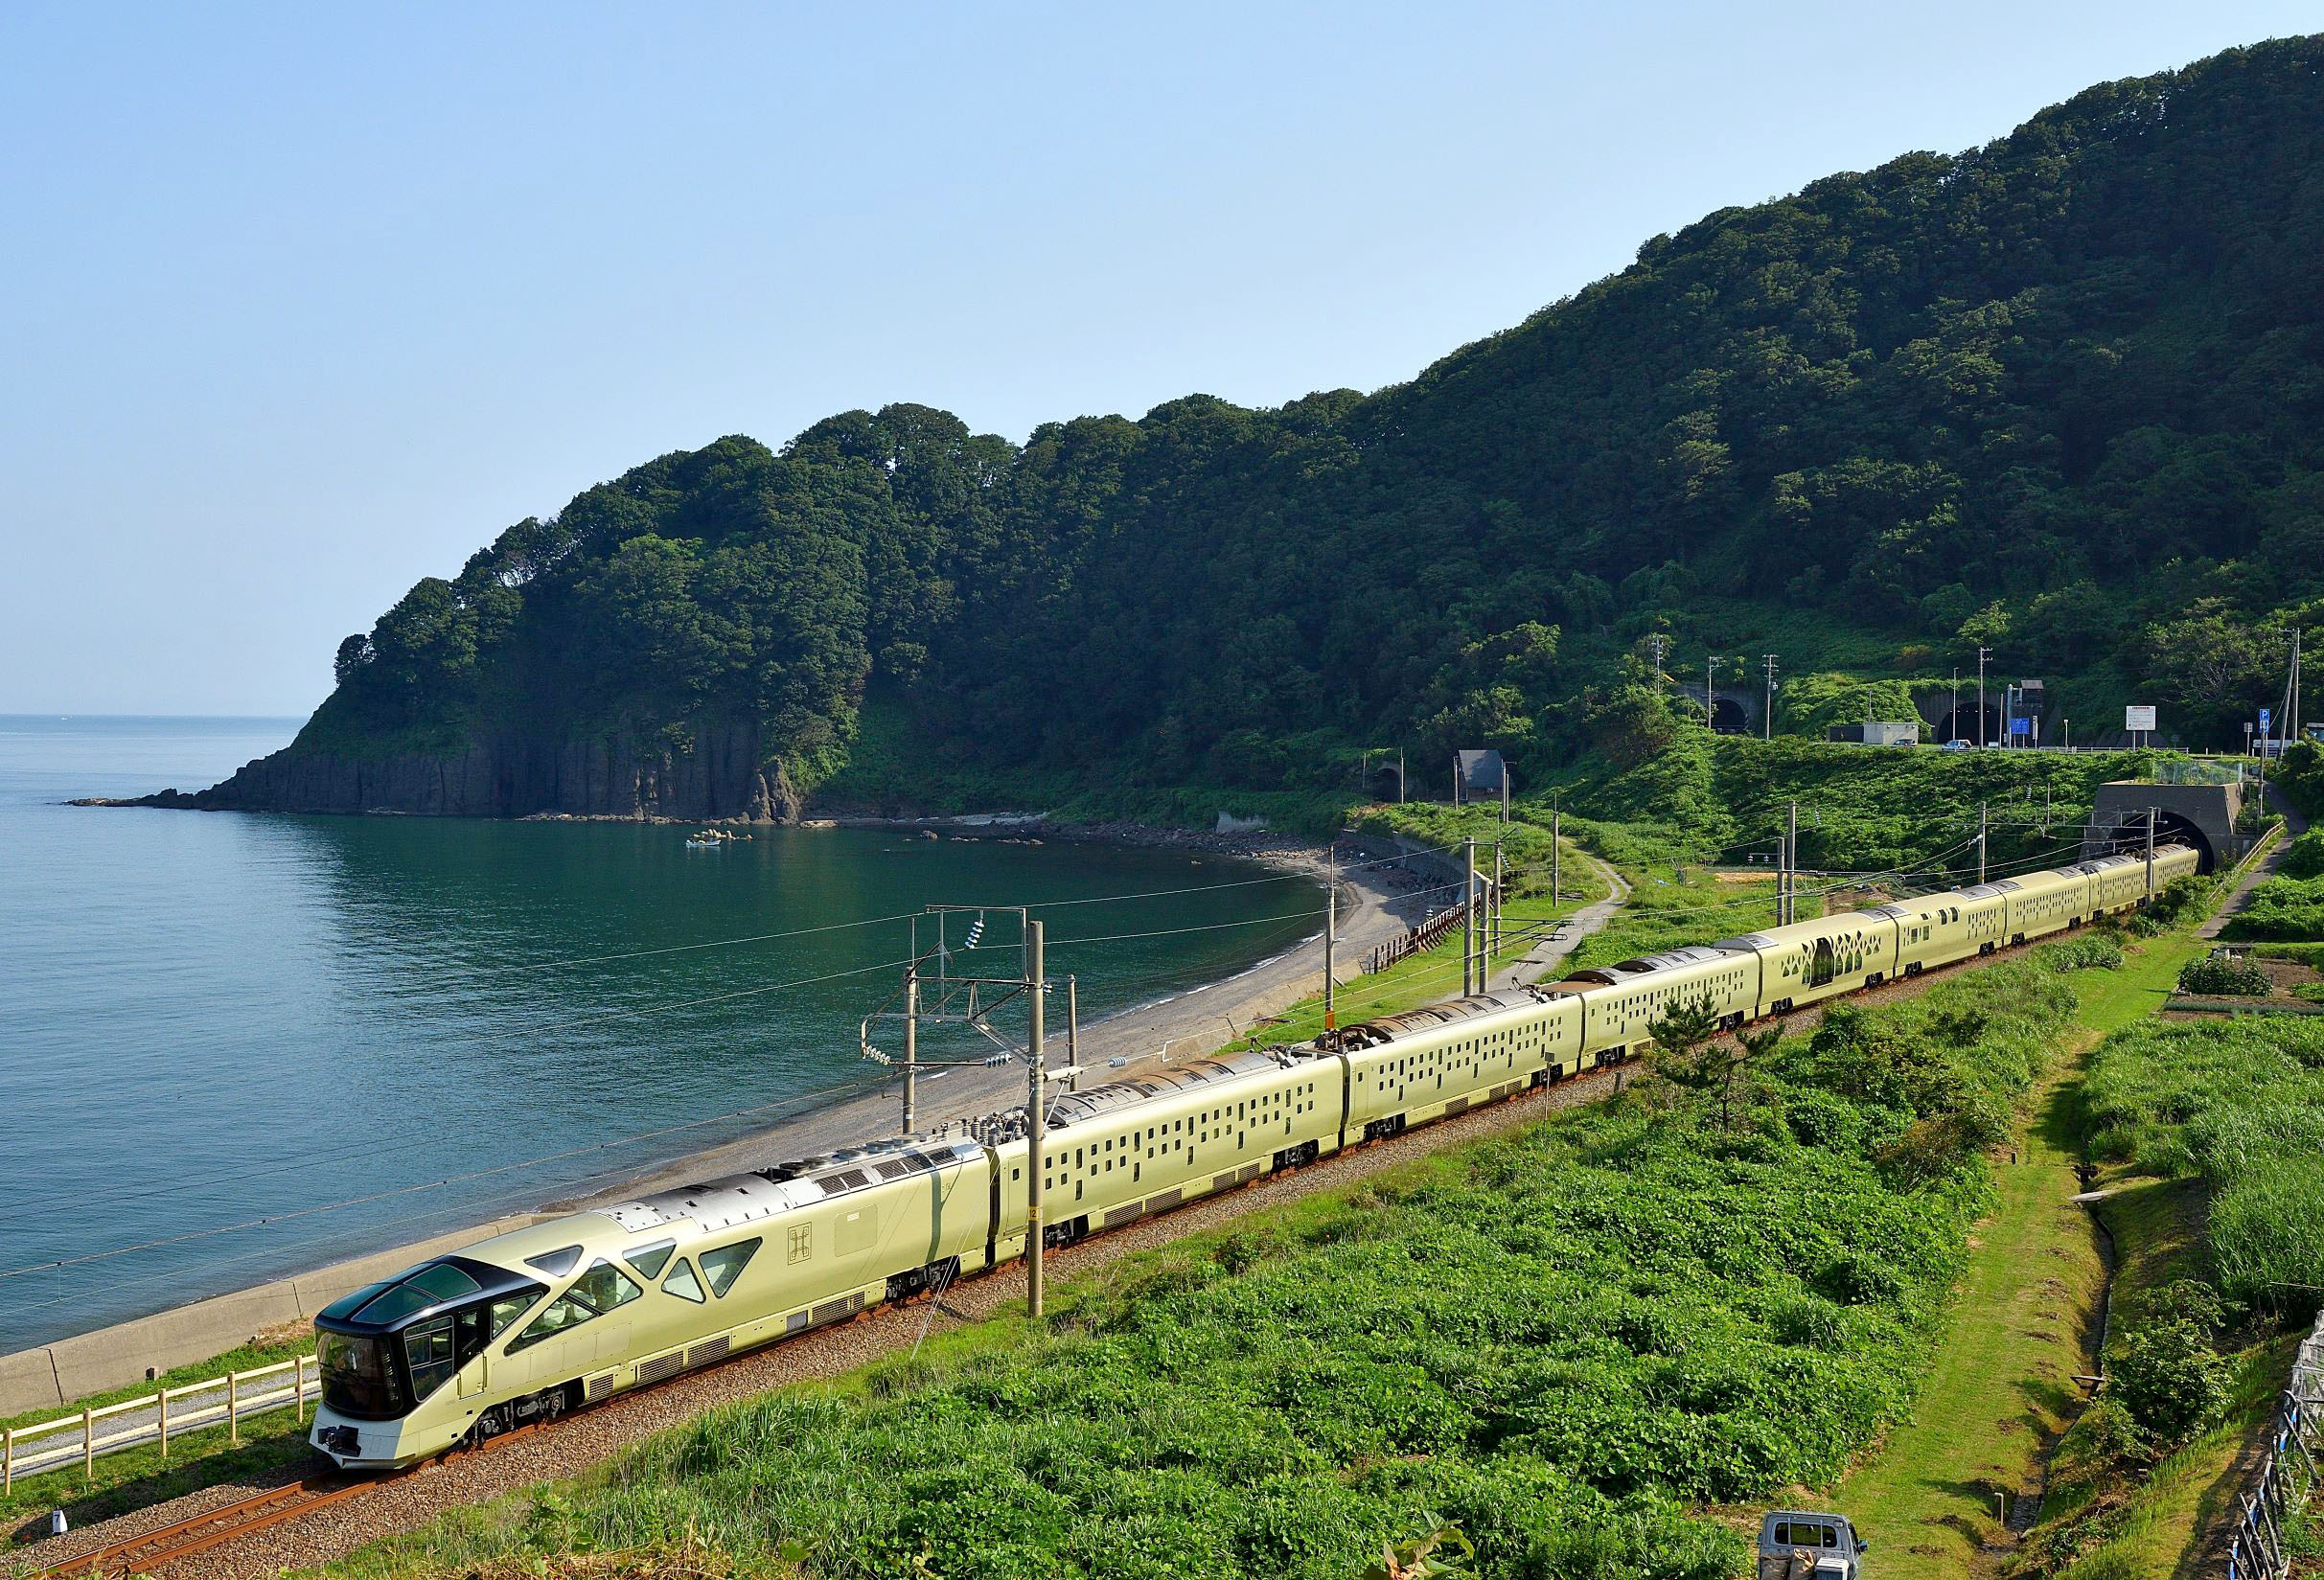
[(428, 1348), (358, 1378), (683, 1283), (555, 1263), (417, 1291), (649, 1260), (723, 1265)]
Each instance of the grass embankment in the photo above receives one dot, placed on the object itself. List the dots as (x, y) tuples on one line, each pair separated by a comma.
[(137, 1478), (2003, 1385), (1560, 1342)]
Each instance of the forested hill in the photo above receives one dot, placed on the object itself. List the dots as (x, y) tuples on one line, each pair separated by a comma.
[(2063, 395)]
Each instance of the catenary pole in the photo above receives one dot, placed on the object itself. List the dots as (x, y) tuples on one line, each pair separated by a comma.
[(2151, 814), (1073, 1033), (1036, 1118), (1494, 948), (1767, 704), (1331, 929), (912, 1046), (1468, 917), (1557, 858), (1791, 865), (1980, 828)]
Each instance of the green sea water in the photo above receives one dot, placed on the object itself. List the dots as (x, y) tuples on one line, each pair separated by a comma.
[(338, 1023)]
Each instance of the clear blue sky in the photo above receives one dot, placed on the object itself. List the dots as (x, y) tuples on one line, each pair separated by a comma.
[(300, 304)]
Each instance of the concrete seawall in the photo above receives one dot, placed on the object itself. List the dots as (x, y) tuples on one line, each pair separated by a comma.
[(122, 1355)]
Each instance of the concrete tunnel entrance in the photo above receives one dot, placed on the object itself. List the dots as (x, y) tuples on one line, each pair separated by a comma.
[(2129, 838), (1962, 724), (1728, 718)]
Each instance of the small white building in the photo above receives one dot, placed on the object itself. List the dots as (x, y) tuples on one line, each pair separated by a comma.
[(1878, 732)]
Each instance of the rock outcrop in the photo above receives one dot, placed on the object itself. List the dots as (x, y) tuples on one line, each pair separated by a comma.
[(723, 776)]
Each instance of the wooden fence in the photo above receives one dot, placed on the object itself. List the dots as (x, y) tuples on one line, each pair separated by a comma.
[(156, 1417)]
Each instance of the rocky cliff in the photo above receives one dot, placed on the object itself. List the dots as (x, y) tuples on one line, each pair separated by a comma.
[(725, 776)]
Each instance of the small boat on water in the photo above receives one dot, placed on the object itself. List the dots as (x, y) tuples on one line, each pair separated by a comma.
[(712, 838)]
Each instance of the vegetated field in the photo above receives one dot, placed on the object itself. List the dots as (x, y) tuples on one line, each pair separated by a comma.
[(2289, 907), (2207, 1135), (1559, 1341)]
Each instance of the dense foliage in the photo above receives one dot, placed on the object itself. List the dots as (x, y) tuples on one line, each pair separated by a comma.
[(2059, 395), (1557, 1341), (2240, 1105), (2224, 975)]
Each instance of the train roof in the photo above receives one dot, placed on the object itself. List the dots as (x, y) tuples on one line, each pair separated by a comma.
[(1073, 1107), (1692, 955), (1453, 1011)]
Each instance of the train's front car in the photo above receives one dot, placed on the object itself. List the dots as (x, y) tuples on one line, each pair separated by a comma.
[(402, 1362)]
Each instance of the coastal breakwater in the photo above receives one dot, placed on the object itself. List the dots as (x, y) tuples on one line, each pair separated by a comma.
[(725, 776)]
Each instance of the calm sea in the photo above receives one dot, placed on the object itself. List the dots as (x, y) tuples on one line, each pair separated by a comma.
[(210, 1018)]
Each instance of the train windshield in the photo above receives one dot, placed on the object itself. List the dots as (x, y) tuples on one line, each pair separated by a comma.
[(360, 1379)]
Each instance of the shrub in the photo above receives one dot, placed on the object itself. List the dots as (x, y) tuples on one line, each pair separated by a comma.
[(2168, 1378), (2221, 976), (2304, 856), (2094, 949)]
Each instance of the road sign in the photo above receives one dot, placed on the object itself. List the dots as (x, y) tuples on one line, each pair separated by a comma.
[(2138, 716), (2267, 717), (2022, 727)]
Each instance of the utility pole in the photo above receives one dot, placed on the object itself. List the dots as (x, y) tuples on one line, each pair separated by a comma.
[(2295, 685), (1981, 828), (1952, 708), (1658, 642), (2150, 812), (1557, 858), (1505, 790), (1399, 779), (1707, 682), (1767, 707), (1980, 656), (1036, 1117)]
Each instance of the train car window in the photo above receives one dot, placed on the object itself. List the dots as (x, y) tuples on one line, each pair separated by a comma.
[(649, 1260), (560, 1315), (683, 1283), (604, 1287), (428, 1346), (506, 1310), (555, 1263), (723, 1265)]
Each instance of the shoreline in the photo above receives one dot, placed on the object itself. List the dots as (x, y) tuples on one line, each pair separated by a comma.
[(1380, 901)]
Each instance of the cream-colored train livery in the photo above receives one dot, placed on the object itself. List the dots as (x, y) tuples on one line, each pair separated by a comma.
[(571, 1311)]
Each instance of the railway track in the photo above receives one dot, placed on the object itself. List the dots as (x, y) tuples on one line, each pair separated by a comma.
[(155, 1549)]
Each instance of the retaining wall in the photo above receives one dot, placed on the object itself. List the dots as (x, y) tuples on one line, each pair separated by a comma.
[(128, 1353)]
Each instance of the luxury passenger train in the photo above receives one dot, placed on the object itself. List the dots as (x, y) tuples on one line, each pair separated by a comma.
[(571, 1311)]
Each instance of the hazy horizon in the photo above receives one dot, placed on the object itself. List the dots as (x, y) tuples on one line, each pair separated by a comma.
[(325, 301)]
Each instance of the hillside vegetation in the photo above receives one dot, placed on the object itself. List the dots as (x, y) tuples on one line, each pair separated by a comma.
[(2060, 395)]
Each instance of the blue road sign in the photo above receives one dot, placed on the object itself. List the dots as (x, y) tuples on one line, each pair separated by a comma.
[(2267, 717)]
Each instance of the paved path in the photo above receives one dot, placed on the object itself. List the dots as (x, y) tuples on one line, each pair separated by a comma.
[(1550, 954), (2261, 870)]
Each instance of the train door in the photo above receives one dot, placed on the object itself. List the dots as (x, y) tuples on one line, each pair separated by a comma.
[(1825, 966)]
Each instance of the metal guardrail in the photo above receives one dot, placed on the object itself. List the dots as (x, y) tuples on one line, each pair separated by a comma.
[(156, 1417), (2287, 1472)]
